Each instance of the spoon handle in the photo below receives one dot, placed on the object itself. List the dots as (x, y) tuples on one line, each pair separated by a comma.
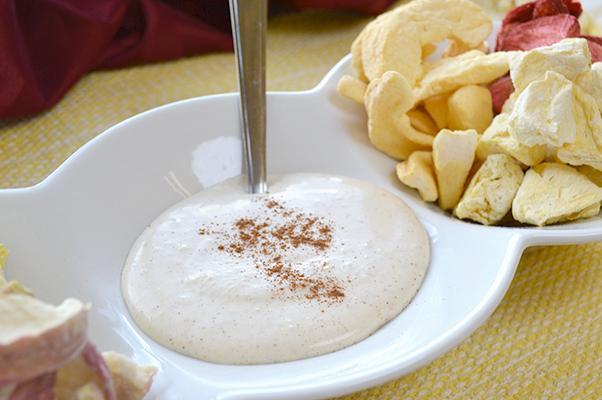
[(249, 25)]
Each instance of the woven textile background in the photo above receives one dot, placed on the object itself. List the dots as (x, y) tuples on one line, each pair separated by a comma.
[(543, 342)]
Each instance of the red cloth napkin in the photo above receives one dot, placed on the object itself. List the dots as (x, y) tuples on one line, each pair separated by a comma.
[(47, 45)]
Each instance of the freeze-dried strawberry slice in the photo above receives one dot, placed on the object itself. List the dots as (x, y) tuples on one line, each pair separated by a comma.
[(549, 7), (595, 47), (539, 32), (529, 12), (500, 91)]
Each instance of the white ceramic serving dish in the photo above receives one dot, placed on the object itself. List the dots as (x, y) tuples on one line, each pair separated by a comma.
[(70, 235)]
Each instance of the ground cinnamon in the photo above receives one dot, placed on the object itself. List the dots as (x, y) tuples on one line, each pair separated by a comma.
[(267, 238)]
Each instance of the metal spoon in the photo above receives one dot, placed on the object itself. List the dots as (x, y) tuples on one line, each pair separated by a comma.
[(249, 25)]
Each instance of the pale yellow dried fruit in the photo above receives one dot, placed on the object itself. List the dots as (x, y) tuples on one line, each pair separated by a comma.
[(470, 68), (456, 48), (591, 82), (488, 197), (569, 58), (356, 56), (544, 112), (436, 106), (497, 140), (417, 172), (591, 173), (394, 41), (3, 255), (552, 192), (352, 88), (387, 101), (427, 50), (422, 121), (510, 103), (89, 391), (9, 287), (132, 381), (470, 107), (31, 328), (453, 155), (587, 147)]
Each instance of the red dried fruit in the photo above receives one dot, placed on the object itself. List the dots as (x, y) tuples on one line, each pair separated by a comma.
[(534, 10), (522, 13), (574, 7), (500, 91), (549, 7), (539, 32), (595, 47)]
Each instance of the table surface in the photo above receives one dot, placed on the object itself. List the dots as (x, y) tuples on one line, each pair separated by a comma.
[(544, 340)]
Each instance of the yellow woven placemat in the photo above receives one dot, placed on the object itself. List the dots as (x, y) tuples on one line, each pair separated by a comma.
[(545, 339)]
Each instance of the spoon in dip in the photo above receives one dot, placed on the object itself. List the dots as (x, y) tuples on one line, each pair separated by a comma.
[(250, 277), (249, 25)]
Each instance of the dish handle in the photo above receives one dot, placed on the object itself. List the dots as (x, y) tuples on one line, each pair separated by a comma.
[(562, 236)]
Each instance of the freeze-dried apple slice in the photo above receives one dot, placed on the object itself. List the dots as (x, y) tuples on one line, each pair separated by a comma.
[(36, 337), (395, 40), (352, 88), (387, 100), (417, 172), (470, 107), (453, 155)]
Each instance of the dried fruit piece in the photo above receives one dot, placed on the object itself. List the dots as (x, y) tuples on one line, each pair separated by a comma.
[(587, 147), (89, 391), (8, 287), (456, 48), (131, 380), (591, 173), (352, 88), (422, 121), (543, 113), (489, 195), (595, 46), (496, 139), (89, 367), (427, 50), (539, 32), (569, 57), (453, 155), (470, 68), (394, 41), (388, 99), (591, 83), (470, 108), (38, 388), (512, 25), (500, 91), (552, 192), (37, 337), (417, 172), (436, 106)]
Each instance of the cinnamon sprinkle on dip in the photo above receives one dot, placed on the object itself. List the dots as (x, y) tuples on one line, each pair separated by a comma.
[(268, 237)]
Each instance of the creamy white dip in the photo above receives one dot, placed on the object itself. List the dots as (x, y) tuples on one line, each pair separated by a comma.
[(227, 307)]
